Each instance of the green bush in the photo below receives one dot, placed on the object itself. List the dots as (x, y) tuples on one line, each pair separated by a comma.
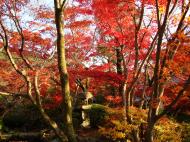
[(99, 99), (97, 115), (77, 119), (23, 116), (16, 117), (115, 129)]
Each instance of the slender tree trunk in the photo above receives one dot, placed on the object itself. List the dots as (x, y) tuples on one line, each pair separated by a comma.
[(119, 58), (143, 101), (26, 136), (64, 76), (160, 103), (135, 134), (132, 97), (124, 102), (53, 125), (149, 132), (49, 121), (156, 93)]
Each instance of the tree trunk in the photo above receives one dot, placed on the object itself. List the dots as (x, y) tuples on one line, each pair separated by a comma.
[(124, 102), (160, 106), (143, 101), (64, 77), (13, 136), (149, 132), (135, 134), (119, 58), (53, 125)]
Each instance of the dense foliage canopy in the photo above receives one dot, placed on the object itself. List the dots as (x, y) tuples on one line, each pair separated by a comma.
[(132, 57)]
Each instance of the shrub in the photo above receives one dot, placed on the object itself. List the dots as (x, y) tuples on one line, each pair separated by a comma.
[(167, 129), (77, 118), (116, 130), (16, 117), (23, 116), (186, 132), (99, 99), (97, 115)]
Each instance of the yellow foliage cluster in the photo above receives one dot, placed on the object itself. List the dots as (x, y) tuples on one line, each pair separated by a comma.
[(138, 115), (166, 129), (118, 130), (171, 131)]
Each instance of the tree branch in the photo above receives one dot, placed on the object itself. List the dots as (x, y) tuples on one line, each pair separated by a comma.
[(180, 94)]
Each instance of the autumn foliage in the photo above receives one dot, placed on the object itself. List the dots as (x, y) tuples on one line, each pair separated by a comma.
[(134, 55)]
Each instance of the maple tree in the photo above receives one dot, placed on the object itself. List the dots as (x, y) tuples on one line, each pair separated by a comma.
[(17, 39), (138, 57), (141, 49)]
